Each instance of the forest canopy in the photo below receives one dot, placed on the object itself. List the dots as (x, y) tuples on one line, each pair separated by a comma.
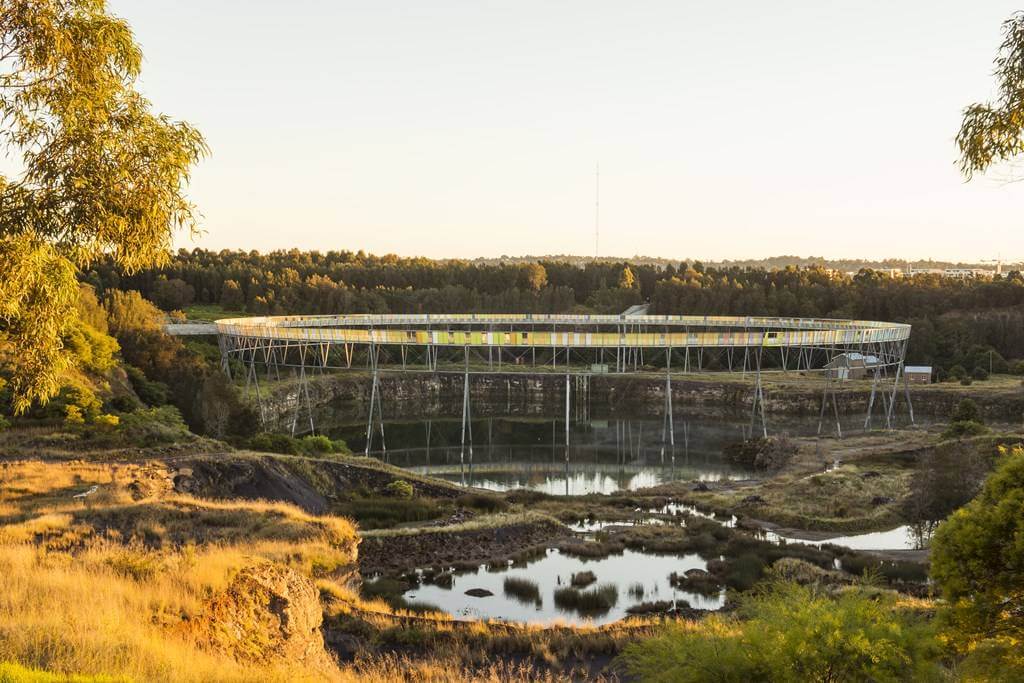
[(956, 322)]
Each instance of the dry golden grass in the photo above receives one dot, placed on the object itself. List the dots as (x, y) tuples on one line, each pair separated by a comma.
[(392, 668), (501, 519), (107, 585), (87, 614)]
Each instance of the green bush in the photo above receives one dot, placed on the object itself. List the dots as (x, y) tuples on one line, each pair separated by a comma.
[(269, 442), (957, 372), (980, 374), (760, 454), (978, 563), (482, 501), (272, 442), (384, 513), (965, 420), (153, 426), (320, 445), (92, 350), (793, 633), (958, 430), (152, 393), (399, 488)]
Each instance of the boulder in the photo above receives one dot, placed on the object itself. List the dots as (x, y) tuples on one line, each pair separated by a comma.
[(268, 613)]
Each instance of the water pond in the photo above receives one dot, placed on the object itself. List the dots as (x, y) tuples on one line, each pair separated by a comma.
[(540, 591), (904, 537), (603, 456)]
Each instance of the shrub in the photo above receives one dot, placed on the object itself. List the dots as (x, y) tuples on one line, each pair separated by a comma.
[(151, 393), (482, 501), (270, 442), (1018, 368), (383, 513), (316, 444), (399, 488), (320, 445), (966, 410), (744, 571), (965, 420), (980, 374), (92, 350), (73, 415), (106, 422), (761, 454), (82, 401), (793, 633), (977, 558), (153, 426), (966, 381), (958, 430), (957, 372)]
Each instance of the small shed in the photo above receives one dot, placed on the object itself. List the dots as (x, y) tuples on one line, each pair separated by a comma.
[(850, 365), (918, 374)]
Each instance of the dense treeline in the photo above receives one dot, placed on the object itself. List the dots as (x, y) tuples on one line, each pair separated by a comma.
[(956, 322)]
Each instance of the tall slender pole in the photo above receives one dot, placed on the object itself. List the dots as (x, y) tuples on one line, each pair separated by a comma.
[(597, 211)]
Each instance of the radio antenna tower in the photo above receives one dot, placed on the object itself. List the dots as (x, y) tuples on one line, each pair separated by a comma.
[(597, 210)]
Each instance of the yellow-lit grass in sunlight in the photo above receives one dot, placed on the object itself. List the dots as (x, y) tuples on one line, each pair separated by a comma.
[(85, 614)]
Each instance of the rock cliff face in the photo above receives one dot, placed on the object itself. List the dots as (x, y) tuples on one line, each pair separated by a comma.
[(268, 613), (344, 396)]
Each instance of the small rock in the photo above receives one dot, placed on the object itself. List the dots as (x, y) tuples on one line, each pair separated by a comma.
[(479, 593), (753, 500), (870, 474), (696, 573), (701, 486), (881, 500), (85, 494)]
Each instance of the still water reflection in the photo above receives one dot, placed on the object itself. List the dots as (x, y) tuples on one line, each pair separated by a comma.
[(528, 592), (603, 456)]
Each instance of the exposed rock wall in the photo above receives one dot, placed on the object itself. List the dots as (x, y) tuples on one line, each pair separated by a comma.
[(346, 395)]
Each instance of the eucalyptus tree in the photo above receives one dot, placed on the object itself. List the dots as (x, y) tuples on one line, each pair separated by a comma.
[(993, 132), (96, 172)]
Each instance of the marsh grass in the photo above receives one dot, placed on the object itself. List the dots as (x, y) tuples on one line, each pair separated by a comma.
[(582, 579), (591, 602), (523, 590)]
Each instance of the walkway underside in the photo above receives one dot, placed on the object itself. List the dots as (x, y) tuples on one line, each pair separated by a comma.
[(576, 345)]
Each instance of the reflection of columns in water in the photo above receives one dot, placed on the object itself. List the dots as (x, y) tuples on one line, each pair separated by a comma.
[(686, 441), (567, 432), (467, 425), (429, 424)]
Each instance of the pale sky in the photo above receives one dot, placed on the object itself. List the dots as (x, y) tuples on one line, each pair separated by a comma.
[(472, 128)]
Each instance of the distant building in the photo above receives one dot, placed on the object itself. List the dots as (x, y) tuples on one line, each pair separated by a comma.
[(850, 366), (918, 374)]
